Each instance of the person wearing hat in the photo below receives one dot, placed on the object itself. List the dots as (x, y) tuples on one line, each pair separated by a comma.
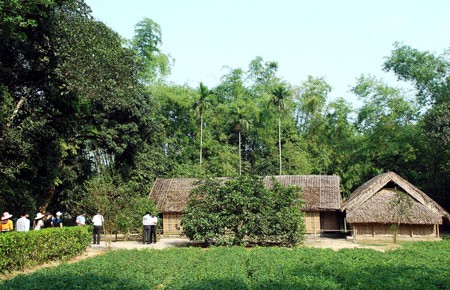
[(57, 221), (23, 224), (38, 222), (6, 223)]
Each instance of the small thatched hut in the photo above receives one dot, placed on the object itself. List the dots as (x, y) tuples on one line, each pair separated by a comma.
[(388, 201), (322, 200)]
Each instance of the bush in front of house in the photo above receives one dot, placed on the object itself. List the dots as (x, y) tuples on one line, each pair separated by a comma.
[(243, 210), (19, 250)]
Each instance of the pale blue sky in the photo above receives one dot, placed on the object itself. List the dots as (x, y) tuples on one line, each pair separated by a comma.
[(338, 40)]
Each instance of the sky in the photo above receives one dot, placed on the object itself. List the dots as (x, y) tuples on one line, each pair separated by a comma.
[(337, 40)]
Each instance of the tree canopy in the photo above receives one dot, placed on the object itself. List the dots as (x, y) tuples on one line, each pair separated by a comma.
[(78, 103)]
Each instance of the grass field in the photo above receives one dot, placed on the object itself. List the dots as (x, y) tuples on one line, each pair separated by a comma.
[(420, 265)]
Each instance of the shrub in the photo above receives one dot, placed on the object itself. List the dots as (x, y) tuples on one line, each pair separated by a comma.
[(19, 250), (243, 210)]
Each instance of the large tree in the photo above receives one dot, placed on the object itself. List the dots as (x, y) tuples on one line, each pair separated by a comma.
[(202, 103), (147, 43), (429, 74), (71, 103), (280, 99)]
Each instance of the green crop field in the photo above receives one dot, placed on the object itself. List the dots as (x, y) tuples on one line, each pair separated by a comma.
[(420, 265)]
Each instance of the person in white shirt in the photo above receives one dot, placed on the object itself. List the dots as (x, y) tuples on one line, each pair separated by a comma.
[(153, 223), (38, 222), (146, 223), (97, 221), (23, 224), (81, 220)]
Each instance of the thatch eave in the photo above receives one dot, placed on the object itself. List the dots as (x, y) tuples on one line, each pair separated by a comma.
[(384, 208), (321, 192), (366, 191)]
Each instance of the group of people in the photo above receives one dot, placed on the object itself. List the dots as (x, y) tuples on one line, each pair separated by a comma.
[(23, 224), (97, 222), (149, 221), (42, 220)]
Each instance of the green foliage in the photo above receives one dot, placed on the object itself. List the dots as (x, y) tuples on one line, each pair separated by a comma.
[(426, 71), (399, 206), (121, 206), (420, 265), (71, 105), (242, 210), (146, 43), (19, 250)]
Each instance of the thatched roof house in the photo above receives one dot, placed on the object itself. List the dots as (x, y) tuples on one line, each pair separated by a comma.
[(387, 200), (321, 192), (322, 200)]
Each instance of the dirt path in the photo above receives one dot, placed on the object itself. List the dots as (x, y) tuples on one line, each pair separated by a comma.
[(320, 242), (338, 244), (161, 244)]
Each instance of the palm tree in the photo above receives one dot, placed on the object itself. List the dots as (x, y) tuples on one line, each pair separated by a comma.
[(202, 104), (241, 122), (280, 95)]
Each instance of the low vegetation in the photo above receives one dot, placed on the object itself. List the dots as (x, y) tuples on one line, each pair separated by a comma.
[(243, 210), (19, 250), (420, 265)]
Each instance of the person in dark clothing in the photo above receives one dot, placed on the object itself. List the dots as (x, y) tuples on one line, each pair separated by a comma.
[(153, 223), (48, 222), (146, 223), (57, 221)]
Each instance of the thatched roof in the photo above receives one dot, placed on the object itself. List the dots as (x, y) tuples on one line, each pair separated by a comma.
[(321, 192), (374, 202), (171, 195)]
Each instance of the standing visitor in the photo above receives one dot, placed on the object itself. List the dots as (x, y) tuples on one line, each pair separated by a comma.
[(81, 220), (57, 221), (97, 221), (146, 223), (48, 221), (153, 223), (23, 224), (6, 223), (38, 222)]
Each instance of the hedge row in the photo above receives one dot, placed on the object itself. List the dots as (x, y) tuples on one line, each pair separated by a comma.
[(19, 250)]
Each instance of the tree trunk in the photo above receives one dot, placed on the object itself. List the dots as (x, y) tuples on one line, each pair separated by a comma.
[(279, 142), (240, 154), (16, 110), (201, 140)]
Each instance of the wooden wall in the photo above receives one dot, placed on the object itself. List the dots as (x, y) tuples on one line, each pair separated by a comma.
[(385, 230), (329, 221), (171, 224), (312, 221)]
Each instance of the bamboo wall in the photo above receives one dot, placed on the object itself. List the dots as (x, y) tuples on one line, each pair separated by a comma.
[(315, 222), (171, 224), (312, 222), (385, 230)]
